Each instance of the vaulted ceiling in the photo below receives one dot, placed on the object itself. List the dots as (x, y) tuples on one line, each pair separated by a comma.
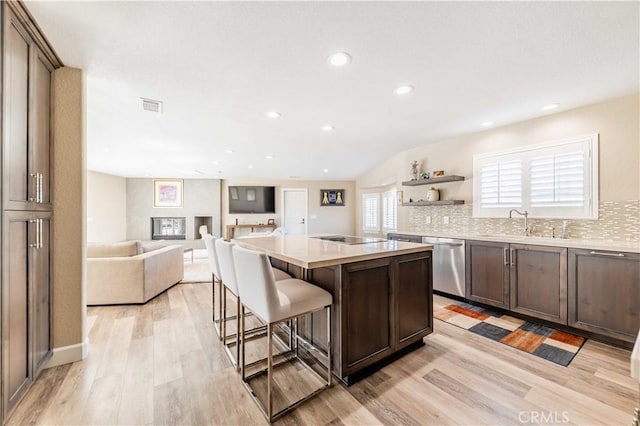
[(219, 67)]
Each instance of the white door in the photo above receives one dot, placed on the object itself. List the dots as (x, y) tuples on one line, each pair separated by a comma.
[(294, 211)]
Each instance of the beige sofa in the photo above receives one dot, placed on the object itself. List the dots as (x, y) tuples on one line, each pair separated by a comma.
[(131, 272)]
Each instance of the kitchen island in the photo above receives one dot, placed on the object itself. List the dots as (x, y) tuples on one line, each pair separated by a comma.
[(382, 295)]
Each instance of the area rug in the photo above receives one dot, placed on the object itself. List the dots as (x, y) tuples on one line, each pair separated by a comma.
[(196, 272), (545, 342)]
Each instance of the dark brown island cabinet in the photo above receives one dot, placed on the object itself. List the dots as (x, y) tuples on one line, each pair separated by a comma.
[(382, 309)]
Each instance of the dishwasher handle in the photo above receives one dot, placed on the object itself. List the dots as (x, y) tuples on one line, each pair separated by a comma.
[(447, 242)]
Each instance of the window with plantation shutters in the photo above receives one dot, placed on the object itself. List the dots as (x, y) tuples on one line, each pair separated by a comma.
[(370, 212), (551, 180), (389, 211), (501, 184)]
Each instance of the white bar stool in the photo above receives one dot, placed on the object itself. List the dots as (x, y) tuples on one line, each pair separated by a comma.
[(275, 302), (226, 266), (215, 277)]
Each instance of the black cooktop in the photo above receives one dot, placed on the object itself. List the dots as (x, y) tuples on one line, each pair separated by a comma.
[(348, 239)]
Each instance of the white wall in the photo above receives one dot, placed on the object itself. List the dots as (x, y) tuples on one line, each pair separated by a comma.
[(106, 207), (334, 219), (616, 121), (201, 197)]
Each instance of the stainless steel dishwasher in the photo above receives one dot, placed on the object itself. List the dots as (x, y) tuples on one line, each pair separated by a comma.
[(448, 265)]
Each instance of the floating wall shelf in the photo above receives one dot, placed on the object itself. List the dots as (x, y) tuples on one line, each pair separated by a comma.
[(434, 203), (438, 179)]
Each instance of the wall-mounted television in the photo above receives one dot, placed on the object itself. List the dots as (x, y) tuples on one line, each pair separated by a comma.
[(252, 199)]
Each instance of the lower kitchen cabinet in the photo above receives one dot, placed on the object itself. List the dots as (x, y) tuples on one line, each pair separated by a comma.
[(604, 292), (538, 281), (528, 279), (487, 273), (26, 301)]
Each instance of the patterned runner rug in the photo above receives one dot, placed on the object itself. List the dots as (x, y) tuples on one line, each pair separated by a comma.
[(548, 343)]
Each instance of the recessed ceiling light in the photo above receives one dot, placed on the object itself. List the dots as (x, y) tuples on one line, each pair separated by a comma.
[(228, 151), (269, 157), (550, 106), (273, 114), (325, 170), (250, 166), (403, 90), (327, 128), (486, 123), (339, 59)]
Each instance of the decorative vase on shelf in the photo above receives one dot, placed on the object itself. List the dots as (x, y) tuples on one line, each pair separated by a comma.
[(433, 195)]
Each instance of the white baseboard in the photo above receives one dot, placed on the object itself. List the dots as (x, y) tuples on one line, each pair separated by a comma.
[(69, 354)]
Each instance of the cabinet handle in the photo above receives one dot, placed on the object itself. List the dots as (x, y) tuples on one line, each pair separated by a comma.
[(35, 187), (34, 245), (513, 257), (602, 253), (505, 255), (40, 232), (39, 180)]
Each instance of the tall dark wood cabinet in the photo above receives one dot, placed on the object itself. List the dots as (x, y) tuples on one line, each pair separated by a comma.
[(26, 206)]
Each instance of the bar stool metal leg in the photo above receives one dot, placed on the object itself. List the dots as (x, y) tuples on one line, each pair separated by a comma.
[(270, 370), (216, 322), (239, 318), (242, 342), (329, 351)]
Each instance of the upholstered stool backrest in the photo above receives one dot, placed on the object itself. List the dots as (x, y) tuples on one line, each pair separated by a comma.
[(256, 284), (211, 254), (226, 264)]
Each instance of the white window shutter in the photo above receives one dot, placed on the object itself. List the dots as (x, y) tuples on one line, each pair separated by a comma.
[(389, 211), (501, 184), (370, 212), (551, 180)]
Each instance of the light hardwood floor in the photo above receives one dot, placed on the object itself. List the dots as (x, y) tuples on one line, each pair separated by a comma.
[(161, 363)]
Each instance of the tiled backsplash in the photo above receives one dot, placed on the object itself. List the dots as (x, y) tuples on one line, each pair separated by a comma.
[(618, 221)]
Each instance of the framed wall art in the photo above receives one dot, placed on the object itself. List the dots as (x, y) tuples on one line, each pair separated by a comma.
[(167, 193), (332, 197)]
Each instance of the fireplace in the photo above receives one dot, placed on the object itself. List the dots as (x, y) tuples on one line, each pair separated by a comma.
[(168, 228)]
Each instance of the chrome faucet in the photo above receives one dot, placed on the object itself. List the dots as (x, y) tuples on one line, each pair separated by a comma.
[(526, 224)]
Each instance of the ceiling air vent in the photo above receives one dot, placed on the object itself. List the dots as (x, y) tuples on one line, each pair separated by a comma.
[(151, 105)]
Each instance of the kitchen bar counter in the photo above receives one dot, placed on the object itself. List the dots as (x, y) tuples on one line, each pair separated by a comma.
[(382, 296), (310, 252)]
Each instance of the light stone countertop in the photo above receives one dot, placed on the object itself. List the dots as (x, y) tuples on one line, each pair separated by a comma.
[(608, 245), (310, 253)]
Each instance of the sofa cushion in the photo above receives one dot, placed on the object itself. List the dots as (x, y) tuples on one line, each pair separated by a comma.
[(121, 249), (153, 245)]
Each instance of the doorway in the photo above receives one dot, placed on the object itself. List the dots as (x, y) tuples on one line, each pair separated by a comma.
[(294, 211)]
